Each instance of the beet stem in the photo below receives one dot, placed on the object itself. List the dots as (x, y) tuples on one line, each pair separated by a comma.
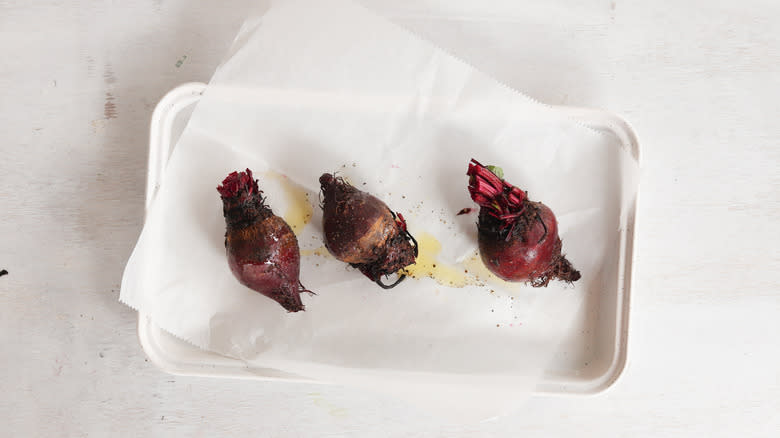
[(499, 198)]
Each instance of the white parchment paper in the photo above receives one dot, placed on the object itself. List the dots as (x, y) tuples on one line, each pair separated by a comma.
[(311, 87)]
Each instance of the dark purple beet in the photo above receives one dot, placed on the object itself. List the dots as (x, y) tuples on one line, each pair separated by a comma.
[(262, 250), (361, 230)]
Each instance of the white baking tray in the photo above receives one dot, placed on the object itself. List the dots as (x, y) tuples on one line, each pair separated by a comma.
[(589, 360)]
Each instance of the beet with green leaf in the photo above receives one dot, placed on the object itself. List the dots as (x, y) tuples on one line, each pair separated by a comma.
[(518, 238)]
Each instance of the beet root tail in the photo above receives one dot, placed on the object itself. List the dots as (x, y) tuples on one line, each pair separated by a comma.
[(290, 299), (560, 269)]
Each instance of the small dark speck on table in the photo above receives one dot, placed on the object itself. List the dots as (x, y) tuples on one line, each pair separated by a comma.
[(181, 61), (3, 272)]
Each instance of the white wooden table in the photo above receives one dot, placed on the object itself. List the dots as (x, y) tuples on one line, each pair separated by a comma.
[(699, 80)]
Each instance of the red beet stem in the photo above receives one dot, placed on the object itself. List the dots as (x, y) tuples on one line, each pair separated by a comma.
[(500, 199), (242, 199), (238, 184)]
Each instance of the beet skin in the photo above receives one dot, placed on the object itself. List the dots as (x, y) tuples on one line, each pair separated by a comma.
[(262, 250)]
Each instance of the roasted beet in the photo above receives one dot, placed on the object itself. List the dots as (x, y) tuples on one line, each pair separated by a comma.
[(518, 238), (362, 231), (262, 250)]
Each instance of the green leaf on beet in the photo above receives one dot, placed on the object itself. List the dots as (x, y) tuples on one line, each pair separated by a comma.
[(499, 172)]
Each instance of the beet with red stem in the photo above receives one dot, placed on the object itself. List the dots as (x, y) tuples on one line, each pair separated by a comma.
[(262, 250), (518, 238), (362, 230)]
